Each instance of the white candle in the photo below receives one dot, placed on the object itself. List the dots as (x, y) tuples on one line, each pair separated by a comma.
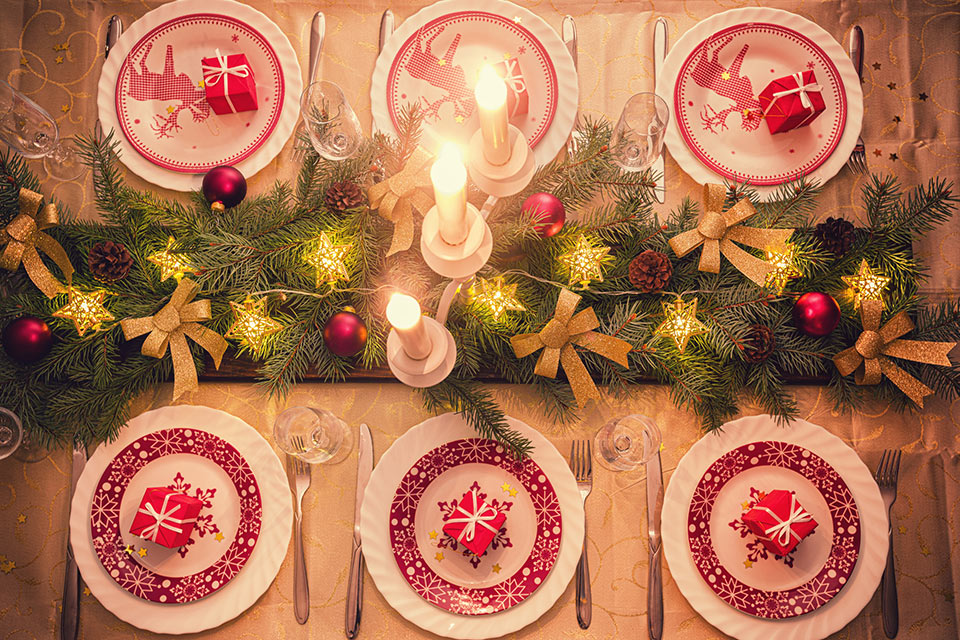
[(403, 313), (491, 95), (449, 178)]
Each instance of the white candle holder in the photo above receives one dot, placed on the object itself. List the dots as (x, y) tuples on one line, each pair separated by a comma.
[(460, 260), (506, 179), (428, 371)]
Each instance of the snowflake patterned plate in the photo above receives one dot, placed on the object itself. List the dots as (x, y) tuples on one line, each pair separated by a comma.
[(433, 58), (151, 90), (195, 463), (712, 78), (523, 551)]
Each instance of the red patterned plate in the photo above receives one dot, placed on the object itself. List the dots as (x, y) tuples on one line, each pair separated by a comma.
[(195, 463), (728, 558), (520, 556)]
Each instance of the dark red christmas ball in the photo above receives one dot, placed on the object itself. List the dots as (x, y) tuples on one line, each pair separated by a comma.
[(224, 184), (345, 334), (548, 211), (27, 339), (816, 314)]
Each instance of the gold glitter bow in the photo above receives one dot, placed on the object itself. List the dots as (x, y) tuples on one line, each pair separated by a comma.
[(24, 236), (397, 196), (171, 326), (869, 356), (558, 338), (718, 230)]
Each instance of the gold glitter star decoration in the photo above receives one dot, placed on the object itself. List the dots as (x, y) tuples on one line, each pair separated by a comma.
[(497, 297), (784, 270), (171, 264), (681, 322), (86, 310), (585, 262), (327, 259), (252, 326), (865, 285)]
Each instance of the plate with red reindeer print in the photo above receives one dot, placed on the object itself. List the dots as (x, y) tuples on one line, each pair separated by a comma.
[(713, 79), (153, 91), (433, 58)]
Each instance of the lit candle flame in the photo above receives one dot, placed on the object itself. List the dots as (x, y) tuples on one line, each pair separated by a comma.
[(448, 173), (403, 311), (491, 90)]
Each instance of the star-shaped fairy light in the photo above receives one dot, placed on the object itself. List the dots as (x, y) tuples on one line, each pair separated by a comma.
[(681, 322), (497, 297), (865, 285), (171, 264), (252, 326), (86, 310), (784, 270), (585, 262), (327, 258)]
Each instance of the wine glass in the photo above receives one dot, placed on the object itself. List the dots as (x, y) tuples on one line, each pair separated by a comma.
[(624, 443), (30, 130), (11, 432), (313, 435), (638, 138), (333, 126)]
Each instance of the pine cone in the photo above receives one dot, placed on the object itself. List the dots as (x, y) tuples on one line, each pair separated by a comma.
[(759, 344), (836, 235), (650, 271), (109, 261), (343, 195)]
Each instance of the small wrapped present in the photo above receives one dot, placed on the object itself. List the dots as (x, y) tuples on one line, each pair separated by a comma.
[(792, 102), (779, 521), (474, 523), (518, 100), (229, 83), (165, 517)]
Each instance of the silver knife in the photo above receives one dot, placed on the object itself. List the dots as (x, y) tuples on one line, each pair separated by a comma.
[(70, 612), (655, 572), (355, 583), (114, 29), (318, 30), (659, 54), (387, 23)]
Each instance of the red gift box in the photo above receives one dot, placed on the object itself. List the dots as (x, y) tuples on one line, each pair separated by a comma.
[(474, 523), (518, 100), (791, 102), (165, 517), (229, 83), (780, 522)]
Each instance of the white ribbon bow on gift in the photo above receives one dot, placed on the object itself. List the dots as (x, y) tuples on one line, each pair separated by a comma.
[(218, 73), (802, 89), (784, 528), (514, 78), (163, 518), (482, 516)]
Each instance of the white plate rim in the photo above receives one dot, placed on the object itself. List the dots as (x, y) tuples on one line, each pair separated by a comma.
[(873, 542), (264, 563), (395, 463)]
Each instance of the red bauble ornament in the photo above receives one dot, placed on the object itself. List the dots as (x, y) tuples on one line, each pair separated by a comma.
[(345, 334), (224, 184), (27, 339), (816, 314), (547, 211)]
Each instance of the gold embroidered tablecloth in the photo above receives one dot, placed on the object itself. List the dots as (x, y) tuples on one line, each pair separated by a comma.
[(52, 50)]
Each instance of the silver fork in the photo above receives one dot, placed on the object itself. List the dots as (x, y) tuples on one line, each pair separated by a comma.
[(888, 471), (301, 588), (858, 159), (581, 463)]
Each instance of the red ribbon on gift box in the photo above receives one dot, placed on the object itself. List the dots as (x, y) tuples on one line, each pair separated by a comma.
[(784, 528), (223, 72), (481, 515), (163, 518)]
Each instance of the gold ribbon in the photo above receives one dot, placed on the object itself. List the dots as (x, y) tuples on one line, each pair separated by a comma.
[(171, 326), (24, 236), (869, 356), (718, 230), (397, 196), (558, 338)]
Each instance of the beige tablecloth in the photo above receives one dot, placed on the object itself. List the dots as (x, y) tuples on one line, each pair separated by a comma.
[(52, 50)]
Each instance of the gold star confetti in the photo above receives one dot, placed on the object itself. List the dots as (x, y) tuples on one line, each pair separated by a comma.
[(784, 270), (64, 46), (439, 556), (725, 75), (505, 487), (925, 551), (252, 326), (142, 553), (86, 310), (201, 84), (459, 119), (433, 534), (59, 60), (64, 108), (219, 537), (681, 322), (23, 60), (506, 56), (327, 258), (517, 19), (21, 519), (745, 505), (8, 566), (170, 109), (497, 297), (585, 262), (496, 568), (513, 492), (748, 563), (86, 591), (865, 285), (128, 548), (441, 62), (171, 264), (902, 530)]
